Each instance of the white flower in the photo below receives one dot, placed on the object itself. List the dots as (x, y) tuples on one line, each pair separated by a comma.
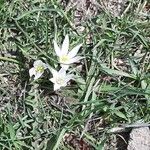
[(66, 58), (38, 69), (60, 78)]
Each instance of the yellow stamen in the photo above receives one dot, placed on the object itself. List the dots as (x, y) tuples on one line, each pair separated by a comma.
[(64, 59), (39, 69)]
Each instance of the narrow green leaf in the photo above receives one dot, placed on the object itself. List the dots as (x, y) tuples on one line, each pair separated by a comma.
[(11, 132), (60, 137), (118, 73), (120, 114)]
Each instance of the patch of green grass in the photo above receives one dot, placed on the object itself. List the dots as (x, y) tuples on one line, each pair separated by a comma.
[(113, 84)]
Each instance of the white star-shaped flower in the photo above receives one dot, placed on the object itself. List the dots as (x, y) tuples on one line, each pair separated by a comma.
[(60, 78), (66, 57), (38, 69)]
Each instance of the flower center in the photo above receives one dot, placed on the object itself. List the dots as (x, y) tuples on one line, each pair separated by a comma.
[(64, 59), (60, 81), (39, 69)]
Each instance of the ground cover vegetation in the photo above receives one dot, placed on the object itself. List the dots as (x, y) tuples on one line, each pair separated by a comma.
[(107, 84)]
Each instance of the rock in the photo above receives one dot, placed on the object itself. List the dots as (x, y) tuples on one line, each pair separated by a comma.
[(139, 139)]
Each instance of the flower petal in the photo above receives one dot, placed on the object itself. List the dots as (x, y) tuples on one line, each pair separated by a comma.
[(62, 72), (69, 77), (45, 66), (38, 75), (56, 87), (74, 51), (65, 67), (75, 59), (63, 85), (56, 48), (53, 80), (32, 71), (38, 63), (53, 71), (65, 46)]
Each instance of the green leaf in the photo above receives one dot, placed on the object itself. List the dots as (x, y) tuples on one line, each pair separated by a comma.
[(101, 145), (59, 139), (53, 143), (118, 73), (11, 132), (133, 67), (120, 114), (108, 88)]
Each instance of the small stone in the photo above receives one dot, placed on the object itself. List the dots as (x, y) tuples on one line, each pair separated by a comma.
[(139, 139)]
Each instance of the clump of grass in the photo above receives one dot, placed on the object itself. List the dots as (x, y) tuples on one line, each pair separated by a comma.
[(113, 83)]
